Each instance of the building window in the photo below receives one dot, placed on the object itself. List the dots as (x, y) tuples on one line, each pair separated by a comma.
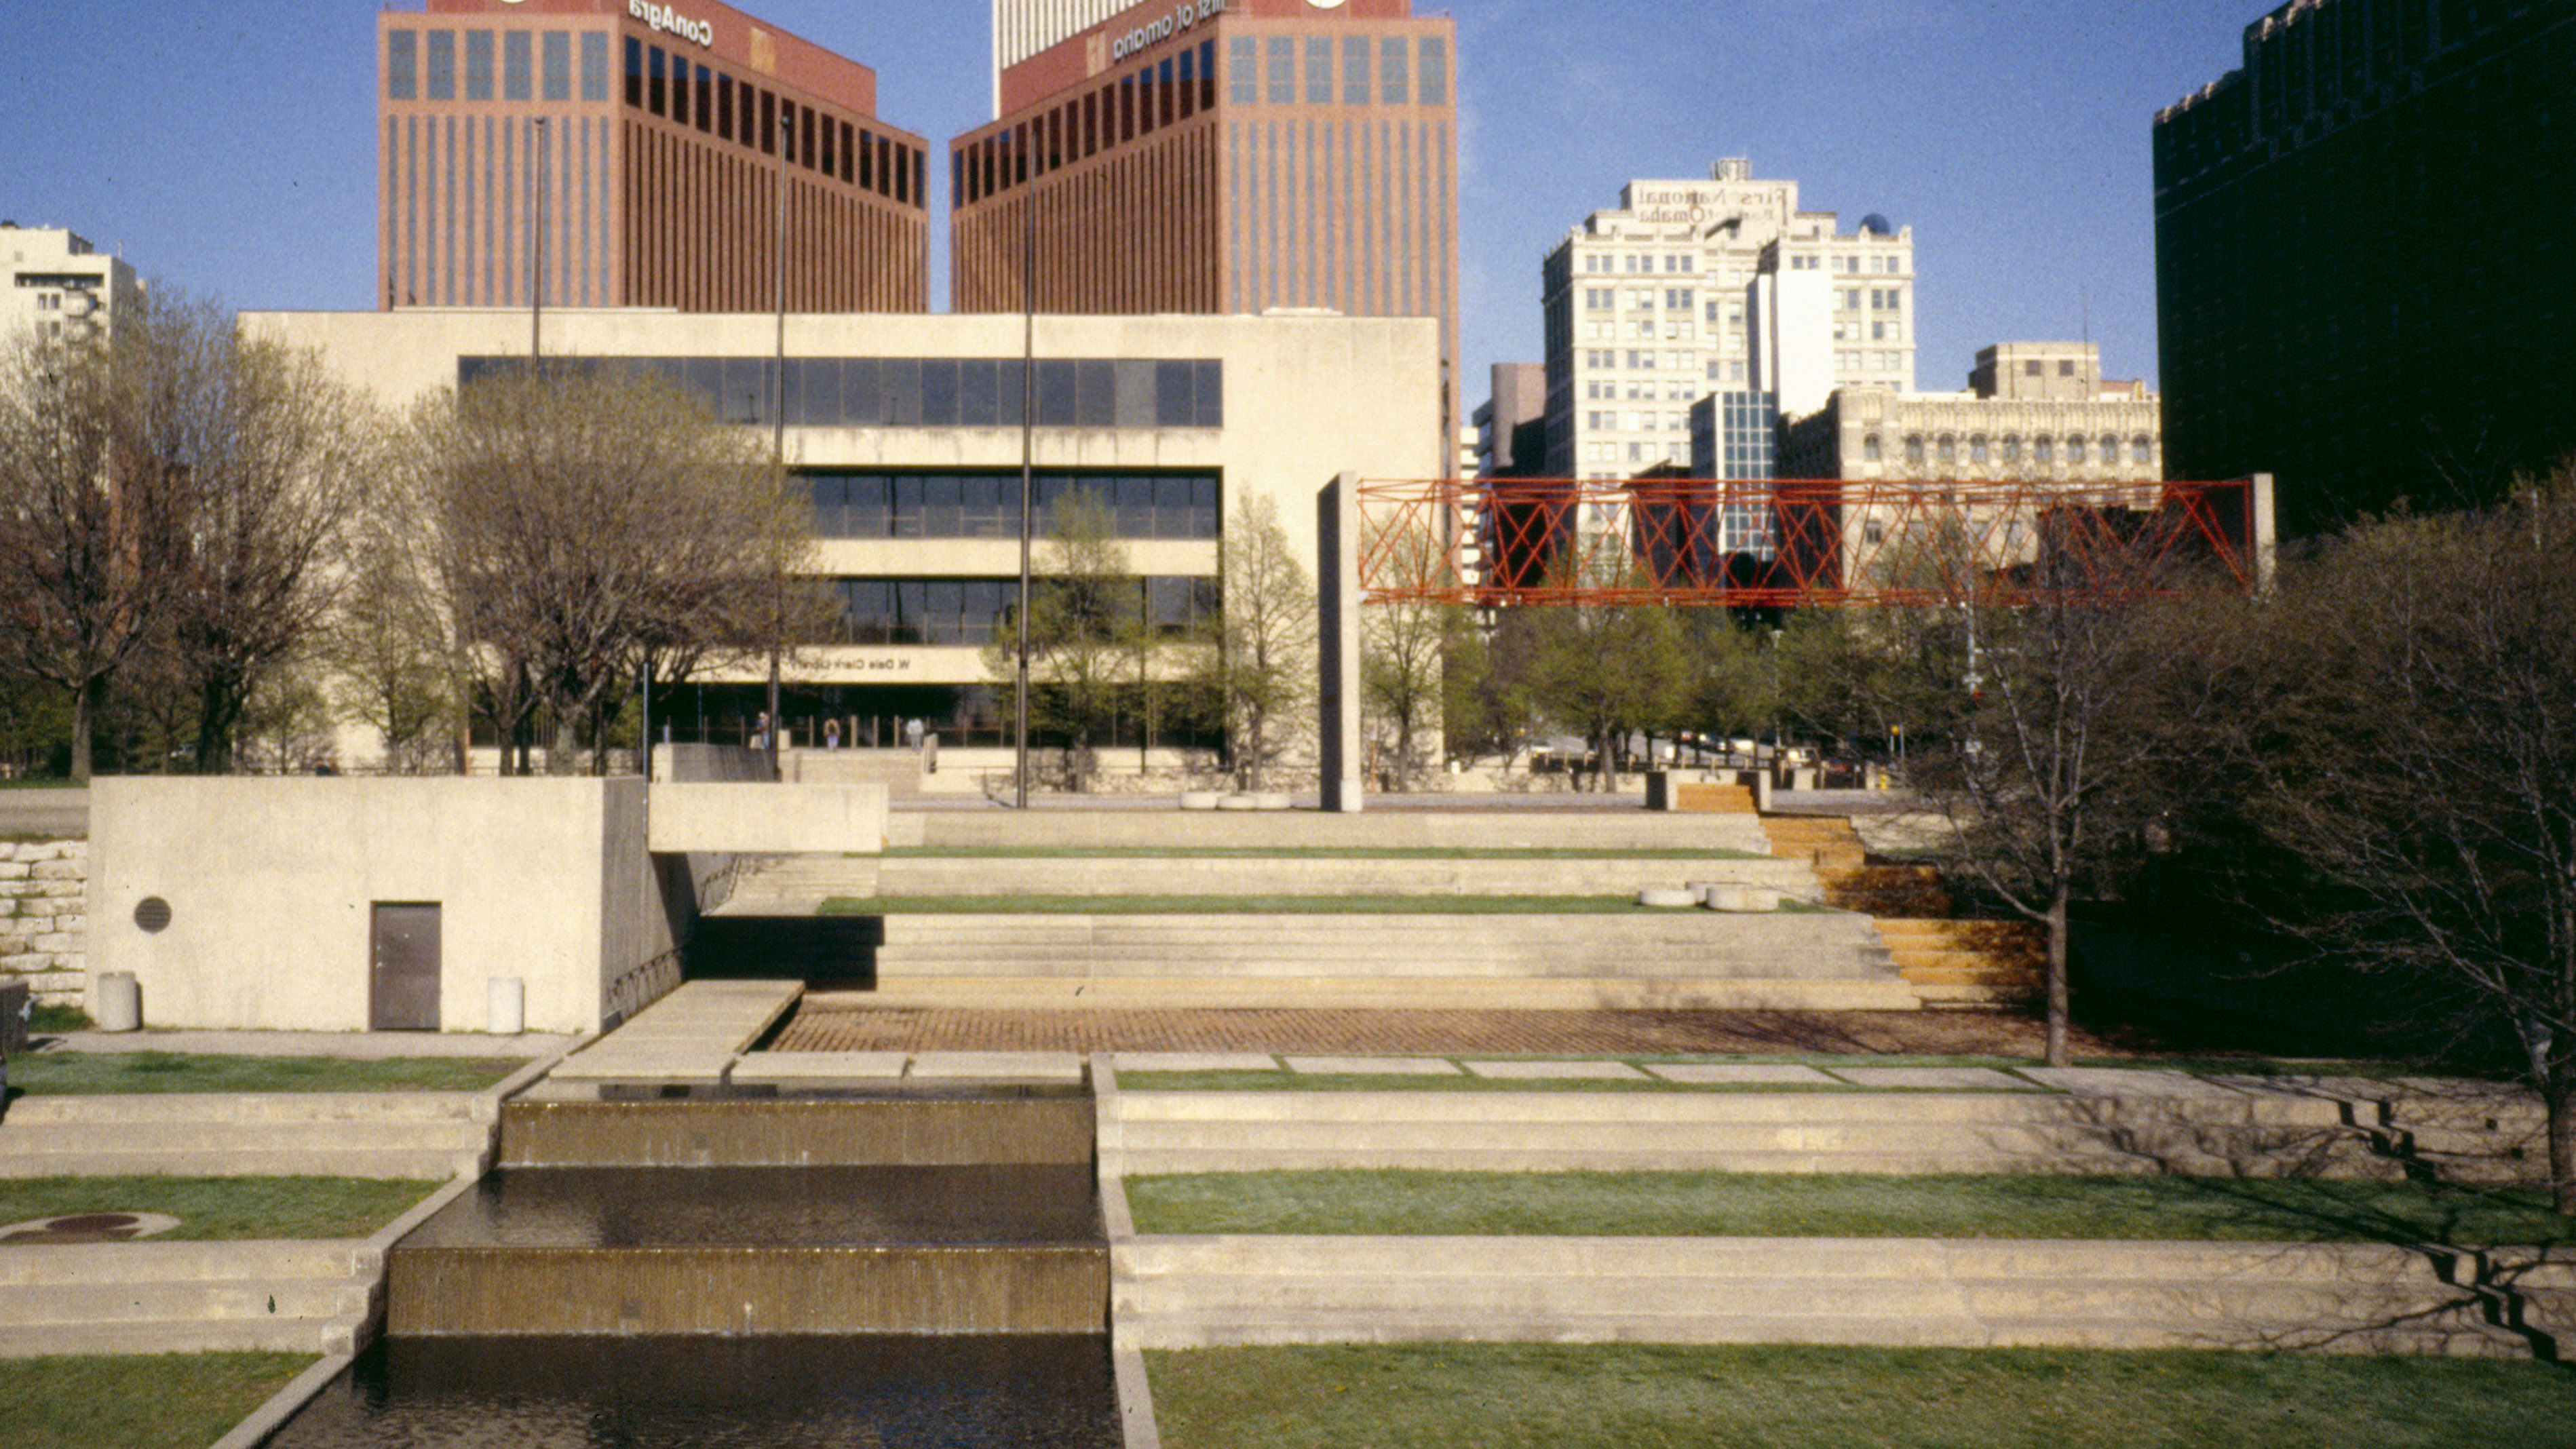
[(1394, 72), (518, 65), (2043, 451), (402, 65), (1435, 71), (2110, 451), (1243, 70), (2075, 452), (1977, 449), (594, 66), (1355, 70), (1319, 70), (2066, 369), (478, 65), (2030, 369), (2012, 448), (442, 65), (555, 71), (2142, 449), (1869, 448), (1914, 450), (1283, 71)]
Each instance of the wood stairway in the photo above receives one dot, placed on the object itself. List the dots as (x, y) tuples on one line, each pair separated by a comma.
[(1953, 963)]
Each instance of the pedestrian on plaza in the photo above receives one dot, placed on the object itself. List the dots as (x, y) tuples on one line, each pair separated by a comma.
[(831, 734), (912, 733)]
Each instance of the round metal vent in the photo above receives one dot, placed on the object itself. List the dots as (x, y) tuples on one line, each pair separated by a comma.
[(153, 914)]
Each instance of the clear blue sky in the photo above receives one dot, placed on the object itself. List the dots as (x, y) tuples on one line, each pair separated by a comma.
[(230, 147)]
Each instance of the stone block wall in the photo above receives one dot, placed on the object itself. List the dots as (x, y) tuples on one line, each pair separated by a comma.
[(44, 919)]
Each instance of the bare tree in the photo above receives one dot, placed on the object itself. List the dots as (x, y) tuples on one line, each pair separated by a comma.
[(1405, 647), (1262, 670), (1086, 632), (93, 484), (580, 526), (2410, 734), (278, 457), (2083, 698)]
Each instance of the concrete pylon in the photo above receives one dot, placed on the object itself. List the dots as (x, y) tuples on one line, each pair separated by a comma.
[(1337, 640)]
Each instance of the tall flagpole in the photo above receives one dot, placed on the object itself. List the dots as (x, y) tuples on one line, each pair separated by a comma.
[(1028, 476)]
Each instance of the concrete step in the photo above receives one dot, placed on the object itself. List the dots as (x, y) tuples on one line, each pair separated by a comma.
[(346, 1333), (1284, 876), (1585, 1109), (1149, 1161), (1184, 1292), (1625, 829), (432, 1166), (185, 1302), (144, 1137), (1312, 964), (1360, 993), (152, 1262), (255, 1108), (1877, 1138)]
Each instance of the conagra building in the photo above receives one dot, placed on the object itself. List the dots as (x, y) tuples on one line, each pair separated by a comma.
[(651, 142), (1218, 156)]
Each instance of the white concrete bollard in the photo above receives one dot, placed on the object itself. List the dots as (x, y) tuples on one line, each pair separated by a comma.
[(117, 1002), (506, 1006)]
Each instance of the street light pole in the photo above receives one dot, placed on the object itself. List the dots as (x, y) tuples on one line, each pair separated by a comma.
[(778, 446), (537, 265), (1028, 474)]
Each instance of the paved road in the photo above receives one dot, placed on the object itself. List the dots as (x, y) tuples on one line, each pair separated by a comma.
[(44, 812)]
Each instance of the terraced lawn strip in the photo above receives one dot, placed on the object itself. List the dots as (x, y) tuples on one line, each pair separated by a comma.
[(1835, 1205), (1285, 1081), (1512, 1396), (1237, 906), (140, 1401), (222, 1209), (64, 1074)]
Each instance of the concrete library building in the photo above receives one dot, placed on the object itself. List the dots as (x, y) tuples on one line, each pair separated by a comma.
[(907, 432)]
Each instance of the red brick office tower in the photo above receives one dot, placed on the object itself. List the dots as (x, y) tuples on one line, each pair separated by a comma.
[(669, 130), (1222, 156)]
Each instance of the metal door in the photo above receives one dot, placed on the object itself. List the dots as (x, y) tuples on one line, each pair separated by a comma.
[(404, 995)]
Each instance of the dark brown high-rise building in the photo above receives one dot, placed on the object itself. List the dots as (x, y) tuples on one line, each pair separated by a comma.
[(1222, 156), (652, 141), (2362, 281)]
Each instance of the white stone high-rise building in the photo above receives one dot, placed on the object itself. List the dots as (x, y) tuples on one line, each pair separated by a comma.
[(1690, 289), (60, 284)]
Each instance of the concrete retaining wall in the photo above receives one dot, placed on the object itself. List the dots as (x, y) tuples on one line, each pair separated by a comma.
[(268, 886), (44, 919)]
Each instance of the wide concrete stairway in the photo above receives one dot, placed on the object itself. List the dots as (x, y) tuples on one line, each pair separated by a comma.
[(1629, 961), (1205, 1292), (1159, 1133), (428, 1135), (1480, 829), (1949, 962), (787, 882), (309, 1297)]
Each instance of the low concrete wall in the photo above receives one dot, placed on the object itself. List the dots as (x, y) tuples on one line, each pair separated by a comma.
[(44, 919), (269, 884), (769, 819)]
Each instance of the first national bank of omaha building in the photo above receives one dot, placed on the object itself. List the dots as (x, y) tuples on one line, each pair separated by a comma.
[(907, 431)]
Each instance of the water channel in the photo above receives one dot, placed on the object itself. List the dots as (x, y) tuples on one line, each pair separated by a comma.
[(898, 1271)]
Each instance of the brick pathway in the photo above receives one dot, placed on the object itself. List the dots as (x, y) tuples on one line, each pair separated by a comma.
[(826, 1024)]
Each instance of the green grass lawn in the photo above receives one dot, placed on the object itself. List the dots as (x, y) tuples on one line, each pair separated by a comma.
[(142, 1401), (222, 1209), (62, 1074), (1009, 852), (1838, 1205), (40, 782), (1024, 905), (1474, 1396)]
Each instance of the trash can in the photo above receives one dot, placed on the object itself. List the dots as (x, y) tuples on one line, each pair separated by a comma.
[(117, 1002), (506, 1006)]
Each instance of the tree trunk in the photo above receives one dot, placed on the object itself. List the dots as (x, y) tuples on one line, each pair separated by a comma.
[(1609, 765), (2057, 995), (85, 702), (2561, 1099)]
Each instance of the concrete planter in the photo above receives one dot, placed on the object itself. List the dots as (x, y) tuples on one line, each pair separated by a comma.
[(1200, 799)]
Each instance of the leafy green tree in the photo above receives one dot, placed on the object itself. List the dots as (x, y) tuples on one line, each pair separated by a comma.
[(1088, 637), (1608, 671), (1261, 670)]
